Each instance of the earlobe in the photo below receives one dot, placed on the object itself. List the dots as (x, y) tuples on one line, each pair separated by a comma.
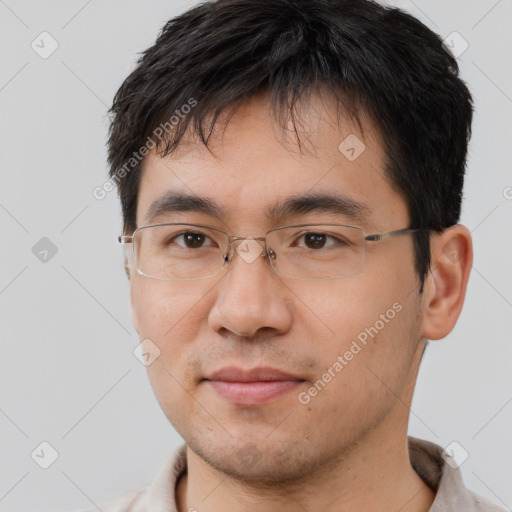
[(445, 287)]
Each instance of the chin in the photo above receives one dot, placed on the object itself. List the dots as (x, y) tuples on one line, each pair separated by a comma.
[(264, 463)]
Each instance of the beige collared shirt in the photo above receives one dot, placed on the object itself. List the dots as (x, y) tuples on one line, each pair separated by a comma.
[(426, 459)]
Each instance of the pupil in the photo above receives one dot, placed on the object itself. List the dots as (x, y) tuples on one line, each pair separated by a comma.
[(316, 239)]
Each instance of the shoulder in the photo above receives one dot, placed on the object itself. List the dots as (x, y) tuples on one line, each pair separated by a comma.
[(156, 496), (481, 504), (131, 501), (437, 468)]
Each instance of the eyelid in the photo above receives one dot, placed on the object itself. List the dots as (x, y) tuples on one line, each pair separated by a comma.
[(327, 233), (192, 230)]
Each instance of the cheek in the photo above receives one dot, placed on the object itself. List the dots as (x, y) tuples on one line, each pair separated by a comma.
[(337, 311), (167, 312), (365, 367), (171, 316), (367, 322)]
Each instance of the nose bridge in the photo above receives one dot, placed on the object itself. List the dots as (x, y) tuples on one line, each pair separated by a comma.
[(241, 238), (248, 248), (248, 298)]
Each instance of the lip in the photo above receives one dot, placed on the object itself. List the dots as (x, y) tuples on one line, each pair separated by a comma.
[(252, 387), (260, 374)]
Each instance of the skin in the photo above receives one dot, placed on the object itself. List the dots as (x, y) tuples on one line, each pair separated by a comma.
[(347, 448)]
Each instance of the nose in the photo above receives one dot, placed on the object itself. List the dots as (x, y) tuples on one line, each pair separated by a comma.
[(250, 297)]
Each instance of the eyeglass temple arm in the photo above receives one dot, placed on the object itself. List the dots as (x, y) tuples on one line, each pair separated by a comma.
[(125, 239), (377, 237)]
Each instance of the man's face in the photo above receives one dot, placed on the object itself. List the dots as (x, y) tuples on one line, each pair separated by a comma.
[(249, 317)]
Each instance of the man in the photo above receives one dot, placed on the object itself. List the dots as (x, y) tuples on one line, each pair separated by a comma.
[(291, 177)]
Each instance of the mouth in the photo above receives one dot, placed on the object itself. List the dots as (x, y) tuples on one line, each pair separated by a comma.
[(252, 387)]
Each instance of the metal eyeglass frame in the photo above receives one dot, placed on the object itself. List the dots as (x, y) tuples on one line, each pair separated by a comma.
[(373, 237)]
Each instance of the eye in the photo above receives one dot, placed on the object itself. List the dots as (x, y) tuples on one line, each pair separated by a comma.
[(191, 240), (318, 240)]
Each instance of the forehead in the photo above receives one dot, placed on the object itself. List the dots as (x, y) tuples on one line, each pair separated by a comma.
[(255, 174)]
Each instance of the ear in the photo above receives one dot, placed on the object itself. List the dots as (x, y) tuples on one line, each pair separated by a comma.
[(446, 283)]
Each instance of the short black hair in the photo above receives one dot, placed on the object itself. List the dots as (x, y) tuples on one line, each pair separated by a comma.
[(375, 60)]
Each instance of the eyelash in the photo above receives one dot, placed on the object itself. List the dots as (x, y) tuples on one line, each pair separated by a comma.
[(296, 238)]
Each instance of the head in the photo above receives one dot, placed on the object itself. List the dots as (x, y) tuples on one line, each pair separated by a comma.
[(247, 104)]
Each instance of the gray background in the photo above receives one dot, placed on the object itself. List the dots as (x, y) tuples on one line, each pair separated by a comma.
[(68, 375)]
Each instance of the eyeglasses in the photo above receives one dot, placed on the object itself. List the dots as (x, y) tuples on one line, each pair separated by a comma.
[(306, 251)]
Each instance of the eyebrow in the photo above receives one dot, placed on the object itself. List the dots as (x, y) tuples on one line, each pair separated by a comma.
[(327, 202)]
